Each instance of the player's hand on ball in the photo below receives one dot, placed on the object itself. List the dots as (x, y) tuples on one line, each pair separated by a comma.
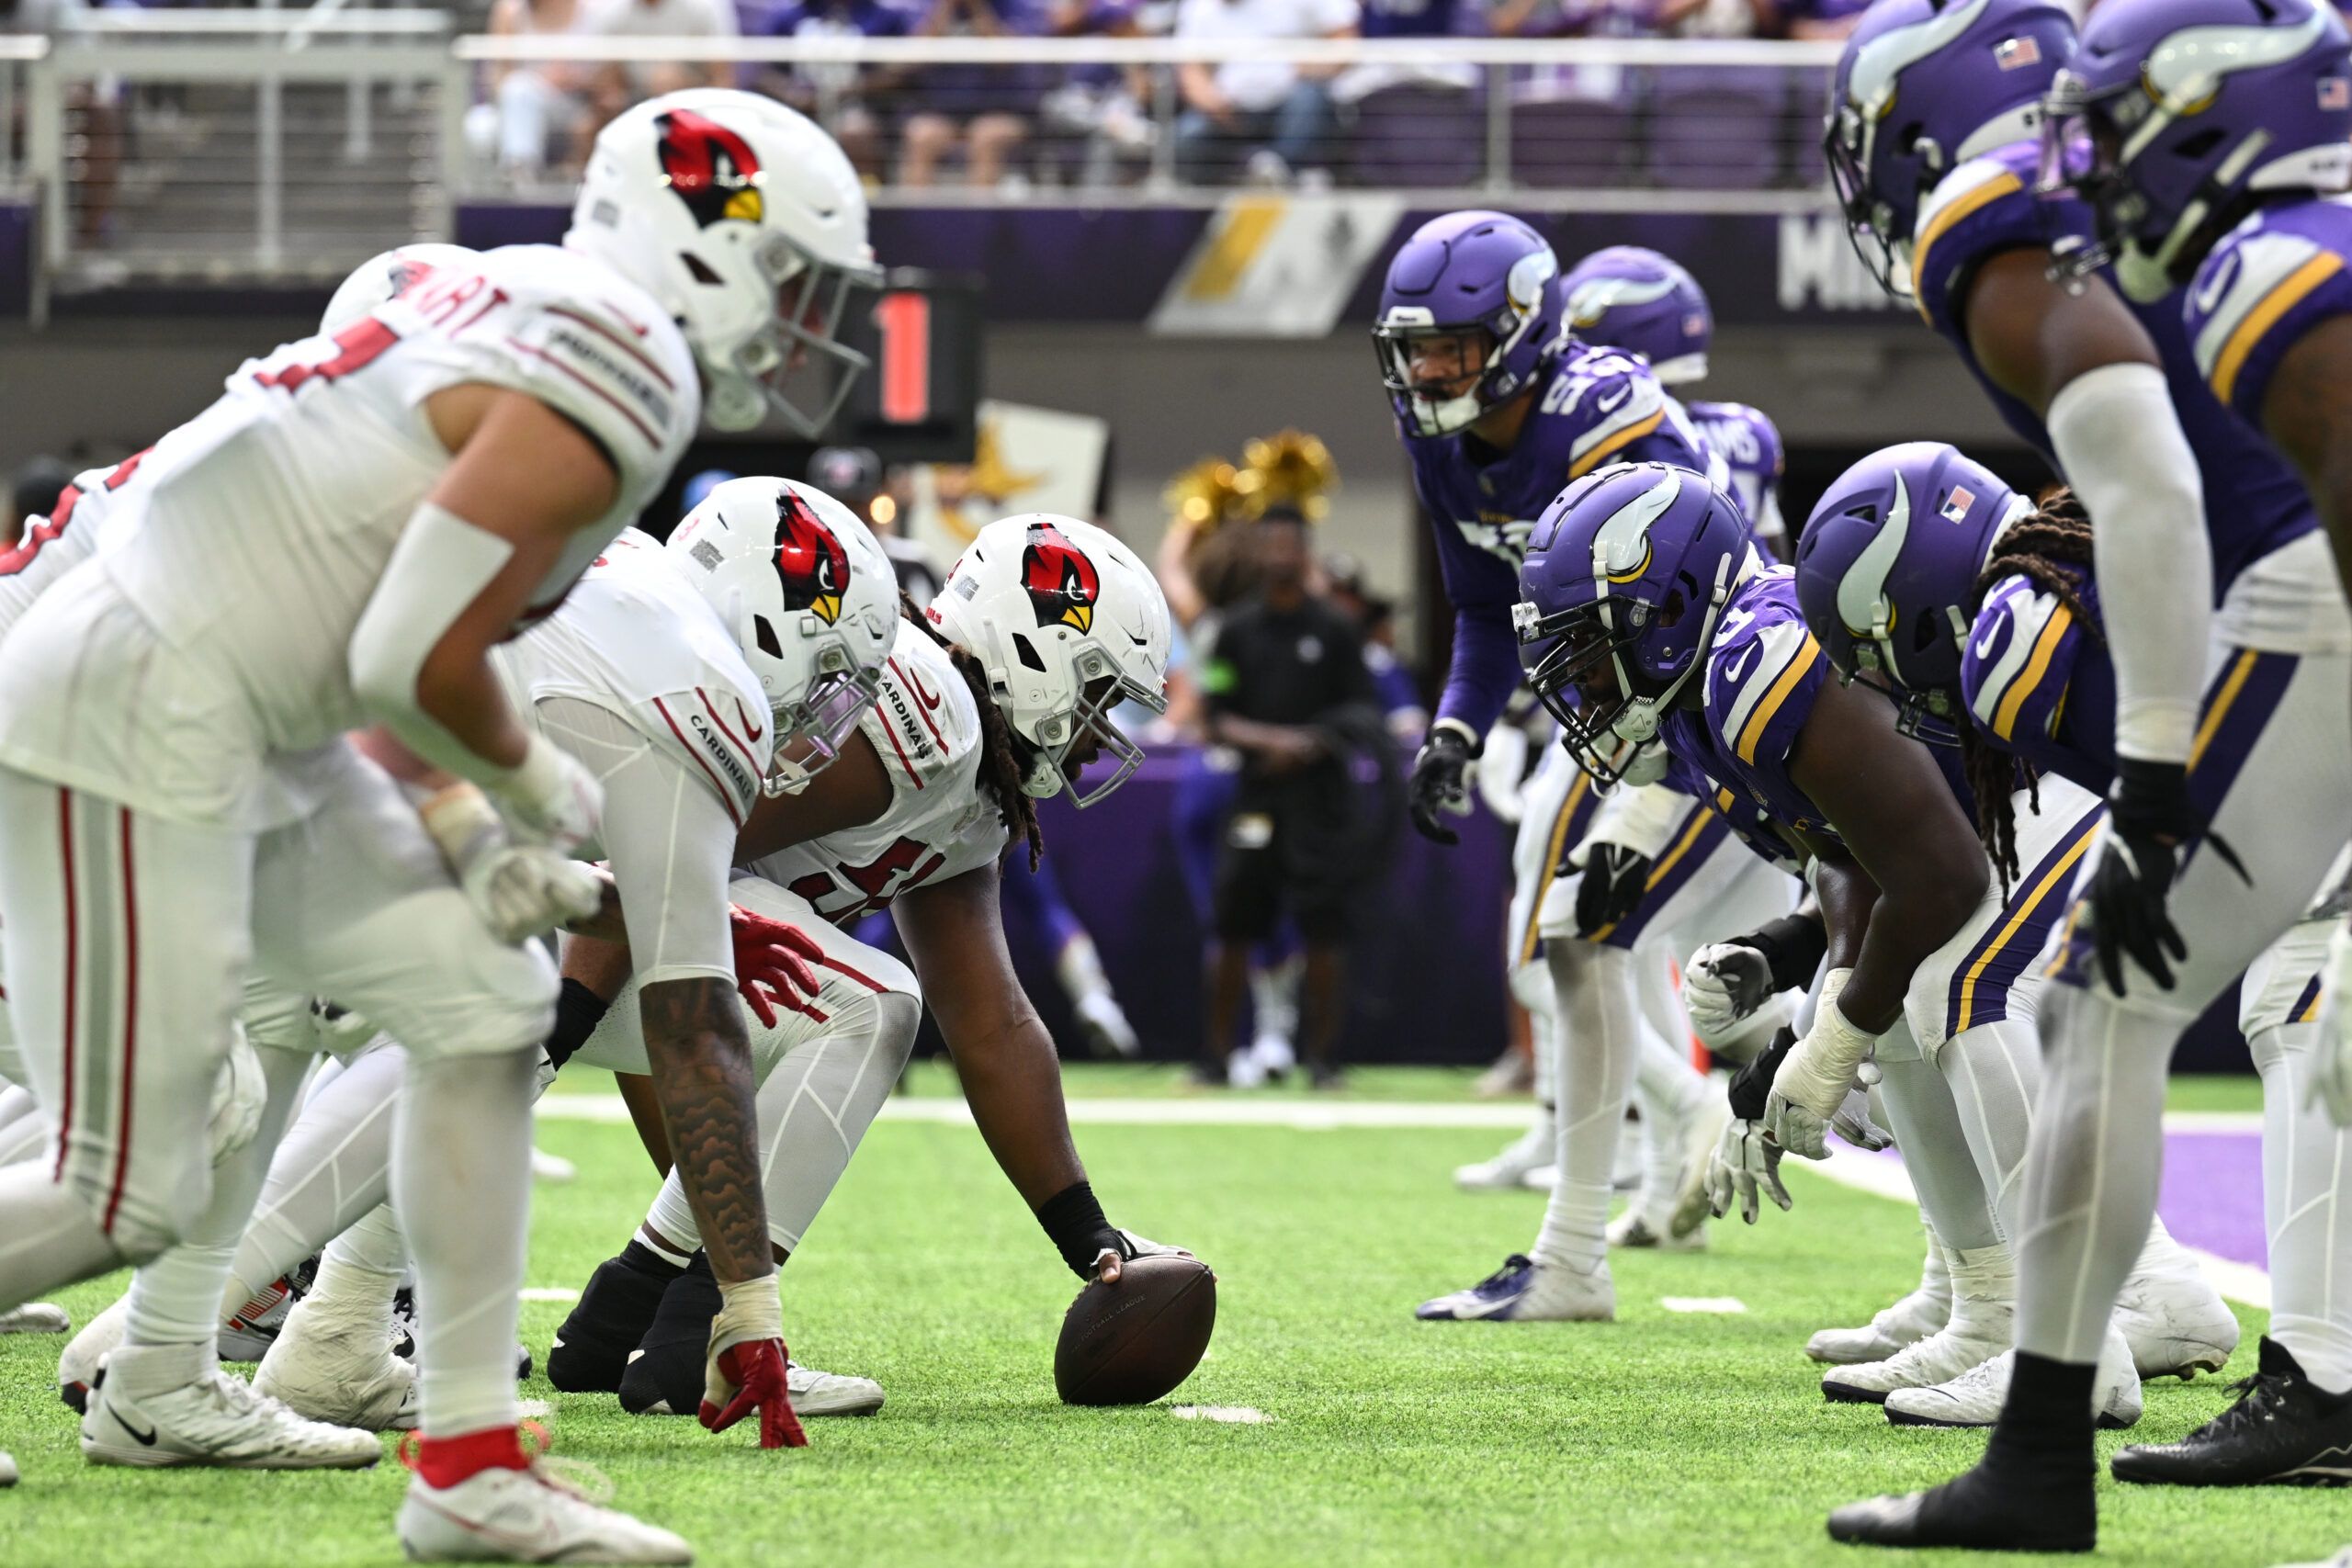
[(1744, 1162), (774, 963), (1107, 1262), (744, 1369)]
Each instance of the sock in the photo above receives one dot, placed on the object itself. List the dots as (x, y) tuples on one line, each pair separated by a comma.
[(2045, 1424), (444, 1462), (1599, 1040), (461, 1180), (350, 1288), (670, 1232), (1983, 1291), (2306, 1160), (376, 1243), (1274, 997)]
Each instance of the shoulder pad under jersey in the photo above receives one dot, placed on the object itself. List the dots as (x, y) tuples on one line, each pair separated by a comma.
[(1762, 673), (2019, 660), (922, 722), (1981, 209), (1603, 407), (2267, 284)]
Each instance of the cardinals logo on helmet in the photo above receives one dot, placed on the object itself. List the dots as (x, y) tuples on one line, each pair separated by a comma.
[(713, 170), (810, 561), (1061, 582)]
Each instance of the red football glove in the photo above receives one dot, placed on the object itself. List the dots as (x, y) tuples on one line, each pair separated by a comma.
[(744, 1369), (773, 965)]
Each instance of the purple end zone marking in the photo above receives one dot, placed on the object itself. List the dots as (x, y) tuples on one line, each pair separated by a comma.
[(2212, 1193)]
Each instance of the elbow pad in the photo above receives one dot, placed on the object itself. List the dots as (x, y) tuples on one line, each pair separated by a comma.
[(440, 566), (2115, 434)]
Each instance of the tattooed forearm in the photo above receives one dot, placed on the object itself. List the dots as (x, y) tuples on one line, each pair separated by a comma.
[(701, 1056)]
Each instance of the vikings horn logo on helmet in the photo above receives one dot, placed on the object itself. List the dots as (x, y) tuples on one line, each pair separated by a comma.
[(1061, 582), (713, 170), (809, 560)]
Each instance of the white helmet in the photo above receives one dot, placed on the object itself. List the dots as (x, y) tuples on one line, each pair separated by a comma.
[(747, 223), (811, 600), (387, 277), (1068, 625)]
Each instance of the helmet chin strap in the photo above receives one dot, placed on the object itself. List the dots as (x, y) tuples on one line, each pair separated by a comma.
[(1638, 724)]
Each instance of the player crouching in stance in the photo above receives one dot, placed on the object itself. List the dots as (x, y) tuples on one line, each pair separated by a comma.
[(344, 537), (996, 696)]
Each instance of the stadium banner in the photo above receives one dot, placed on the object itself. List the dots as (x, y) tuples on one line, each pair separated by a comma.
[(1264, 264)]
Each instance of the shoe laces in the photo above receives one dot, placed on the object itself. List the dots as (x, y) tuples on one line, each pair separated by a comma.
[(1516, 1264), (2259, 1396)]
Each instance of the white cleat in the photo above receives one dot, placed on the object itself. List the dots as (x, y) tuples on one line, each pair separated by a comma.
[(246, 1336), (2177, 1325), (77, 1368), (1634, 1228), (1938, 1359), (341, 1369), (1543, 1179), (1523, 1291), (1974, 1398), (1106, 1025), (1905, 1323), (1686, 1208), (830, 1394), (2341, 1559), (553, 1169), (205, 1418), (524, 1516), (36, 1317), (1504, 1172), (1242, 1070), (8, 1471)]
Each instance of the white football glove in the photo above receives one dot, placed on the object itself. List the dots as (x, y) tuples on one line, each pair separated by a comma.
[(237, 1098), (518, 889), (1816, 1078), (551, 798), (1853, 1121), (1724, 983), (1744, 1162), (2331, 1057)]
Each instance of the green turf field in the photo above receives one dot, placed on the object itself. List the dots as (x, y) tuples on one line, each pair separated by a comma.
[(1664, 1439)]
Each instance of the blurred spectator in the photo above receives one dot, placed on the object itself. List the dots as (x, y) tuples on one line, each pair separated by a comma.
[(971, 106), (1288, 689), (856, 103), (1103, 103), (619, 84), (537, 109), (1374, 615), (1280, 114), (1407, 18), (93, 115), (33, 491), (1717, 18), (1830, 20)]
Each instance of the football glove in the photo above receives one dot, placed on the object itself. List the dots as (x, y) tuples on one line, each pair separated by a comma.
[(551, 798), (743, 1370), (772, 964), (2150, 822), (1131, 1246), (1440, 781), (1725, 982), (1746, 1161), (1615, 877), (519, 890), (1853, 1121), (2332, 1075), (1815, 1077)]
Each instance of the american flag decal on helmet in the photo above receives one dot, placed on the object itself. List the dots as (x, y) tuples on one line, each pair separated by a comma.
[(1956, 504), (2016, 53), (2336, 93)]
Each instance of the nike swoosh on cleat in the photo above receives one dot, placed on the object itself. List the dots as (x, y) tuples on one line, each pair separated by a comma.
[(146, 1438)]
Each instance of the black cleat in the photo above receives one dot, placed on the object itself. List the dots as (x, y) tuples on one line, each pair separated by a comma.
[(621, 1301), (665, 1369), (1978, 1510), (2283, 1432)]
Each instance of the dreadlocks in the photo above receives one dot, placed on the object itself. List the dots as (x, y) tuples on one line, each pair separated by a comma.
[(2039, 548), (1000, 769)]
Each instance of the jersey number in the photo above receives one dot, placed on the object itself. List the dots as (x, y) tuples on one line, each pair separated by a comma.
[(899, 867), (356, 346)]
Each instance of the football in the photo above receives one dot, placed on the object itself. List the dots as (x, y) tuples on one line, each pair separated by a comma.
[(1132, 1342)]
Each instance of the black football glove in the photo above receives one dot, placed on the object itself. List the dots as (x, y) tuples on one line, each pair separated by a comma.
[(1440, 783), (1614, 880), (2151, 822)]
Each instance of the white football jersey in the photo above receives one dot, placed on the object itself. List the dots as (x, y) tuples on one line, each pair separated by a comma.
[(926, 728), (54, 545), (636, 638)]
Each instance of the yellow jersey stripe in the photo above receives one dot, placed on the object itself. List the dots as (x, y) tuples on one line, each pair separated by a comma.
[(2283, 296), (1558, 847), (2019, 917), (2311, 1009), (2234, 683), (1616, 442), (1990, 191), (1752, 732), (1698, 820), (2045, 648)]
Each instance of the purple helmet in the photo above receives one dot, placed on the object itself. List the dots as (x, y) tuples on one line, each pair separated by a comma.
[(1625, 580), (1922, 86), (1887, 568), (2176, 116), (1638, 301), (1463, 324)]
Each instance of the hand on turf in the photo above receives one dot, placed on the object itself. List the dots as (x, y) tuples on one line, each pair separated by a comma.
[(1726, 982), (1615, 877), (1107, 1261), (1745, 1161), (743, 1370), (773, 964), (1439, 782)]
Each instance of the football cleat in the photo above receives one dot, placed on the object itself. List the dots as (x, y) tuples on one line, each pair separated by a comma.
[(8, 1471), (1543, 1179), (666, 1371), (339, 1368), (1976, 1510), (553, 1169), (1506, 1170), (36, 1317), (1634, 1228), (524, 1516), (2283, 1432), (1277, 1057), (1523, 1291), (1974, 1398), (158, 1405), (1104, 1023), (594, 1347), (77, 1367), (1243, 1070), (1905, 1323), (1938, 1359), (2177, 1325), (2341, 1559), (247, 1334)]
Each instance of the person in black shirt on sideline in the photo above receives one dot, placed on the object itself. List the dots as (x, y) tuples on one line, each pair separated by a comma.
[(1287, 687)]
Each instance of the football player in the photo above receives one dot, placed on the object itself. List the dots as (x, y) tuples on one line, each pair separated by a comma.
[(1641, 303), (999, 694), (1931, 141), (342, 536), (1658, 617), (2018, 663), (1498, 406)]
